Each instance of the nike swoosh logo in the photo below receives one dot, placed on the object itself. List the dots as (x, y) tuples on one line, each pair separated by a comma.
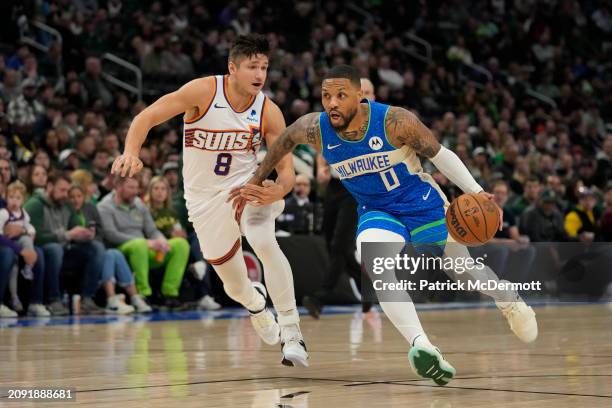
[(330, 147), (219, 107), (426, 196)]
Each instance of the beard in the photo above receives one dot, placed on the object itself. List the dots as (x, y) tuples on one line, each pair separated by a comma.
[(346, 120)]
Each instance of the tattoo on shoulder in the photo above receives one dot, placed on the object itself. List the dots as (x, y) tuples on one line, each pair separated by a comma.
[(309, 125), (404, 128)]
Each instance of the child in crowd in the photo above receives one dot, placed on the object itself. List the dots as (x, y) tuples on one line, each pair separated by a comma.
[(16, 215)]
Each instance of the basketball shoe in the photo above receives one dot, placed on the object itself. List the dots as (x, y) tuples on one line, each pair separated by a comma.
[(427, 362), (293, 348), (521, 319), (264, 322)]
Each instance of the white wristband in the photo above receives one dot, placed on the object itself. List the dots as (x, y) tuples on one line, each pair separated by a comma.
[(453, 168)]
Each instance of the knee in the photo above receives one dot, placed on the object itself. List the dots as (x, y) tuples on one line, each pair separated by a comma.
[(97, 248), (179, 246), (378, 235), (110, 255), (139, 245), (113, 253), (262, 242), (7, 257), (53, 251)]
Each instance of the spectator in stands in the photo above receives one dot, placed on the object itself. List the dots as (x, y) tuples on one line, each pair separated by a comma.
[(604, 162), (167, 220), (9, 253), (85, 180), (542, 221), (99, 165), (553, 182), (170, 171), (156, 61), (368, 89), (25, 110), (11, 87), (13, 214), (606, 219), (116, 268), (180, 63), (85, 148), (92, 81), (37, 180), (517, 265), (129, 226), (581, 221), (532, 191), (65, 246), (69, 160), (6, 171), (298, 215)]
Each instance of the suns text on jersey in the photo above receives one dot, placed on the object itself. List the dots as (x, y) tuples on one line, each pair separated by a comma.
[(229, 140)]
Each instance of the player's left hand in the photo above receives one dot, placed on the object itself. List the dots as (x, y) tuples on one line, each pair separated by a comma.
[(265, 194), (501, 210)]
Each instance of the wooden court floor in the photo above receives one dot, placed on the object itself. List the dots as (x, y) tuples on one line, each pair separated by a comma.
[(355, 362)]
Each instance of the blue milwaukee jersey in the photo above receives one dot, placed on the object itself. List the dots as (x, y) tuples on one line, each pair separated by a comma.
[(379, 175)]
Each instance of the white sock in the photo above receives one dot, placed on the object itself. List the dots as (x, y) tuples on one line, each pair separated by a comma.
[(404, 317), (402, 314)]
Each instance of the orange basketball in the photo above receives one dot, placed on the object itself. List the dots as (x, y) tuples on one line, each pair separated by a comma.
[(472, 219)]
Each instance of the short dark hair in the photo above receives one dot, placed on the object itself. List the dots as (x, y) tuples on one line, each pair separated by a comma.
[(501, 183), (248, 46), (344, 71), (534, 178), (55, 176)]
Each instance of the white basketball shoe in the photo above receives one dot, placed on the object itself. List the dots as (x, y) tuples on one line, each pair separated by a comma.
[(264, 322), (293, 348), (521, 319)]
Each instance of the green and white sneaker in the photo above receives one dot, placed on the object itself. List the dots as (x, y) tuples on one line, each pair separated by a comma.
[(428, 362)]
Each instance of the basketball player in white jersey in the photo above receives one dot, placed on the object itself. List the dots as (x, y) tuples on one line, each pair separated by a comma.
[(226, 117)]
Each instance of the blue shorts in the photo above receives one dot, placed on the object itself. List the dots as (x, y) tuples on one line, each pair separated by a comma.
[(426, 231)]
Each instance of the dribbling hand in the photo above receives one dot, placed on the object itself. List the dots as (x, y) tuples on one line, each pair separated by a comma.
[(501, 210), (127, 165)]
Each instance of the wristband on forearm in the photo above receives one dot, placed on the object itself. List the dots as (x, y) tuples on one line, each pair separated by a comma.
[(453, 168)]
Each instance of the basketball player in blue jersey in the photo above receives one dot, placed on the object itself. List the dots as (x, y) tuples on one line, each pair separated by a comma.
[(374, 148)]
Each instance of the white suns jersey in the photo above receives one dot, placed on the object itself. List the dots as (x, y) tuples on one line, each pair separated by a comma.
[(220, 145)]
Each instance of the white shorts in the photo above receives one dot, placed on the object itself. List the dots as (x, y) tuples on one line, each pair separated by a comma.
[(218, 232)]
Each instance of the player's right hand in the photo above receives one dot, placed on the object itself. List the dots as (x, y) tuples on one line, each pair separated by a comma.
[(127, 165)]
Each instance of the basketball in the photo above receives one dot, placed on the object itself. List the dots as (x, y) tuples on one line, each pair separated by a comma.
[(472, 219)]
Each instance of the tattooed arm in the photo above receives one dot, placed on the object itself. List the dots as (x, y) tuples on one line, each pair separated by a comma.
[(405, 129), (305, 130)]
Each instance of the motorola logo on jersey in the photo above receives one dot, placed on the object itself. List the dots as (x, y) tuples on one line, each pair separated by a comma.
[(222, 141), (375, 143)]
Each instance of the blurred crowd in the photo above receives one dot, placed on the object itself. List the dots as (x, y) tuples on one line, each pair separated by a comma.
[(62, 124)]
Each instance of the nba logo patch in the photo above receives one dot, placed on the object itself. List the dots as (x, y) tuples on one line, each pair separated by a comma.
[(252, 116), (375, 143)]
